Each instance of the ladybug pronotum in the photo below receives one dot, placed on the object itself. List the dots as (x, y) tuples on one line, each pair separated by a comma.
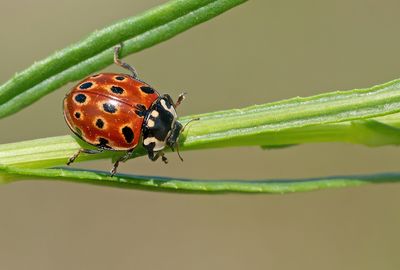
[(114, 111)]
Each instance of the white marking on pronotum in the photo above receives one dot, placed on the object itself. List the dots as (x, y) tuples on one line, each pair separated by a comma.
[(159, 145), (154, 113), (150, 123), (171, 110)]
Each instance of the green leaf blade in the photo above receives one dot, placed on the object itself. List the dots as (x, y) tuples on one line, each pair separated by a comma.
[(96, 51)]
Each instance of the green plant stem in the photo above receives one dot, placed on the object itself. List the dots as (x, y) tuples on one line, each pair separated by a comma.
[(256, 125), (356, 116), (95, 52), (55, 151), (153, 183), (363, 116)]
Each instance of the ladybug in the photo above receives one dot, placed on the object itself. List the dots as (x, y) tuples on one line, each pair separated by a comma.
[(114, 111)]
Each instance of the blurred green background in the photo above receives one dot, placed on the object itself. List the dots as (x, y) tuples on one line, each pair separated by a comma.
[(259, 52)]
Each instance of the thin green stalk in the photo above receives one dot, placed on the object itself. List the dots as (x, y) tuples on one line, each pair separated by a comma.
[(95, 52), (153, 183)]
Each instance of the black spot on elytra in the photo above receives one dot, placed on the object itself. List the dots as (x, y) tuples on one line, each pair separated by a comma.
[(120, 78), (103, 143), (78, 115), (117, 89), (147, 89), (85, 85), (108, 107), (140, 113), (97, 75), (140, 110), (81, 98), (128, 134), (99, 123)]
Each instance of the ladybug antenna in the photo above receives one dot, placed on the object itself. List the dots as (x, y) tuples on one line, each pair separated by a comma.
[(183, 129), (177, 151), (190, 121)]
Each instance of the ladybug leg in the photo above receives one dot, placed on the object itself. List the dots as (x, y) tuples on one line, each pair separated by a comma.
[(154, 156), (164, 158), (86, 151), (123, 158), (181, 98), (178, 102), (118, 61)]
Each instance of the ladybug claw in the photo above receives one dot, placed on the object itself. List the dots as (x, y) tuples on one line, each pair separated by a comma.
[(113, 172), (114, 169), (72, 159)]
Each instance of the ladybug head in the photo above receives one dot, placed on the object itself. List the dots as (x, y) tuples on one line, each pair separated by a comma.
[(160, 127), (173, 138)]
